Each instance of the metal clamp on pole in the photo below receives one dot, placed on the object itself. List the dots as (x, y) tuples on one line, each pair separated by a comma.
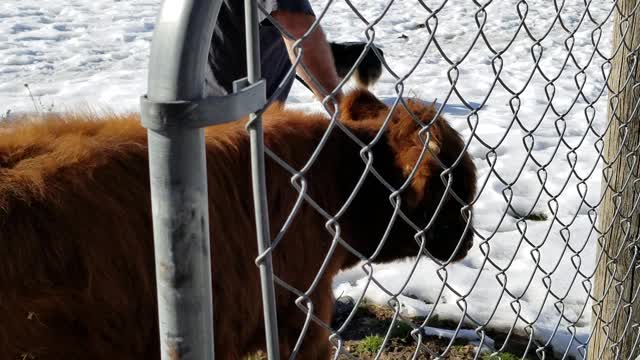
[(247, 98)]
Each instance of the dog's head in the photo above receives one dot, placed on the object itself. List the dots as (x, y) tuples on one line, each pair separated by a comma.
[(368, 70), (425, 157)]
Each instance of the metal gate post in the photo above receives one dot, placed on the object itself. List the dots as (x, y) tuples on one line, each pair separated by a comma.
[(175, 111), (259, 186), (178, 182)]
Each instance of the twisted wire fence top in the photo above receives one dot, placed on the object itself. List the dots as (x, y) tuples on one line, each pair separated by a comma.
[(525, 83)]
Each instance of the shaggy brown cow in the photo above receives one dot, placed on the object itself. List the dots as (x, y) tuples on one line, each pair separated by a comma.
[(76, 258)]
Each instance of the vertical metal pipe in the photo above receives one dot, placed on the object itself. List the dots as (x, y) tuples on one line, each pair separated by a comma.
[(177, 172), (181, 242), (259, 185)]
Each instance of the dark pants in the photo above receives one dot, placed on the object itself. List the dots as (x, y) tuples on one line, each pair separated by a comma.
[(227, 53), (275, 62)]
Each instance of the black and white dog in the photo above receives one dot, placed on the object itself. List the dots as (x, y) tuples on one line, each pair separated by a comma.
[(345, 56)]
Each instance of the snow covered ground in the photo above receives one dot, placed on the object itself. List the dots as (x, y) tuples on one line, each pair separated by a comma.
[(529, 274)]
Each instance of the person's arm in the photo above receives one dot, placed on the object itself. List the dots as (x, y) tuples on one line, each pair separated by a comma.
[(316, 56)]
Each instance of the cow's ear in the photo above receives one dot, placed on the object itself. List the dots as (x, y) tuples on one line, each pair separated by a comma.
[(404, 138), (427, 170), (362, 105)]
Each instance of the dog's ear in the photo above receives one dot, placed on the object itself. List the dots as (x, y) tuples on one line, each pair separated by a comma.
[(362, 105), (404, 140)]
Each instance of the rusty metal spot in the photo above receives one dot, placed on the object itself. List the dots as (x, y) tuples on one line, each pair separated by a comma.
[(173, 352)]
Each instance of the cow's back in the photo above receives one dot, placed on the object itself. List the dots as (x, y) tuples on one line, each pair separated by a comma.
[(75, 233), (76, 247)]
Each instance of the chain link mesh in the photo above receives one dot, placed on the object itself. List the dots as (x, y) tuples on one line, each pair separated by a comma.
[(535, 126)]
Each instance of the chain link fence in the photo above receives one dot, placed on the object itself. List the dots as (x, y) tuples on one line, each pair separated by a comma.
[(540, 82), (479, 200), (544, 176)]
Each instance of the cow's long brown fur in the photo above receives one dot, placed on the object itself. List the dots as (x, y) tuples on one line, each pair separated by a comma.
[(76, 253)]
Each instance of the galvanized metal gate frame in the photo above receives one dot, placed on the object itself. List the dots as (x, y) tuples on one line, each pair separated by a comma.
[(175, 111)]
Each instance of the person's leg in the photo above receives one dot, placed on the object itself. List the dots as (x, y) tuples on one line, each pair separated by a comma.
[(275, 63), (227, 53)]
